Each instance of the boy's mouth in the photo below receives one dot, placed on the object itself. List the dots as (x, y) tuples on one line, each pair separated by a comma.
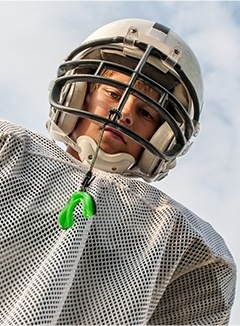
[(115, 133)]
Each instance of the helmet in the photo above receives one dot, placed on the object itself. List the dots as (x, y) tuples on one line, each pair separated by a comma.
[(146, 51)]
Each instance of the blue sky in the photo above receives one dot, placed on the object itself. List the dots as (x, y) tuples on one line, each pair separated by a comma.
[(36, 36)]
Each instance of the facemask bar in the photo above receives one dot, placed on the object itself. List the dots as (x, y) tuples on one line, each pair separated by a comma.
[(101, 43), (181, 138)]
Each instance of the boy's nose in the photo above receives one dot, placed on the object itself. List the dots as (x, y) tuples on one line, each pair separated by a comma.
[(127, 114)]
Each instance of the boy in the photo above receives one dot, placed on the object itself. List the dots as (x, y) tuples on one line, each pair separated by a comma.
[(83, 241)]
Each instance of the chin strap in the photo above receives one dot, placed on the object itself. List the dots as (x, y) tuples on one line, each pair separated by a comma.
[(117, 163)]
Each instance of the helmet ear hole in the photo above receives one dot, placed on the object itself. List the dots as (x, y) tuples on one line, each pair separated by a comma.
[(74, 98), (161, 139)]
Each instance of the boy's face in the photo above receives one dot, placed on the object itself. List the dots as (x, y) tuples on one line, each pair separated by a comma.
[(136, 115)]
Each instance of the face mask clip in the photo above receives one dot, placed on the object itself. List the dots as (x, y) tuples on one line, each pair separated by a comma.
[(130, 38)]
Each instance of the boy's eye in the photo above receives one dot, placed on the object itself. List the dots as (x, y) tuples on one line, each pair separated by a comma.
[(145, 113), (114, 94)]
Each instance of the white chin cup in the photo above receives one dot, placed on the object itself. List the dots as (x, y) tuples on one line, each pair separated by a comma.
[(115, 163)]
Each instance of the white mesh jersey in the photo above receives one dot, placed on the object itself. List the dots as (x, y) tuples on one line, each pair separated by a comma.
[(141, 259)]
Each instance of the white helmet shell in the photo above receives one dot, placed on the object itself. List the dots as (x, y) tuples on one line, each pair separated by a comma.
[(169, 66)]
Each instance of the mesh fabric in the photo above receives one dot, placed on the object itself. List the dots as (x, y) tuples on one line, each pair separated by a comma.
[(141, 259)]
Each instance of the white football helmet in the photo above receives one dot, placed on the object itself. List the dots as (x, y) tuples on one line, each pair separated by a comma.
[(146, 51)]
